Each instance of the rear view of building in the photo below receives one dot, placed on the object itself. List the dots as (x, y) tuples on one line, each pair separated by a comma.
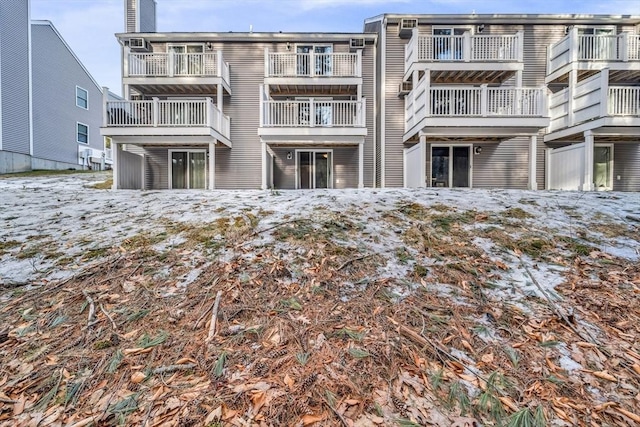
[(50, 106), (473, 101)]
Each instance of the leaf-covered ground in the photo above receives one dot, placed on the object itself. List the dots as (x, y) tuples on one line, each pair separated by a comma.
[(356, 307)]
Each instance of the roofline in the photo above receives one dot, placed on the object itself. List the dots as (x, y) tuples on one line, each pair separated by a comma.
[(513, 18), (45, 22), (248, 37)]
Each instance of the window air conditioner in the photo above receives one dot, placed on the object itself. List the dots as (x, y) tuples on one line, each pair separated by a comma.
[(138, 43)]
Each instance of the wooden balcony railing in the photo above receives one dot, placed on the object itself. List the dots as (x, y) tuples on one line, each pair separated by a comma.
[(464, 48), (209, 64), (166, 113), (313, 64), (313, 113)]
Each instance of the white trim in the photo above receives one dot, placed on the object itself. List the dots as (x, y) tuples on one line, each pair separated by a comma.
[(212, 166), (532, 163), (87, 92), (611, 174), (48, 23), (450, 146), (1, 98), (170, 45), (360, 165), (596, 27), (314, 151), (77, 132), (185, 150), (314, 45), (383, 102), (375, 115), (30, 62)]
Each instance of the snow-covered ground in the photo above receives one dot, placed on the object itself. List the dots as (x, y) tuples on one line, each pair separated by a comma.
[(46, 220)]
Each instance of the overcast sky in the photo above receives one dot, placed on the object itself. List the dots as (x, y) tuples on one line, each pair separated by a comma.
[(89, 26)]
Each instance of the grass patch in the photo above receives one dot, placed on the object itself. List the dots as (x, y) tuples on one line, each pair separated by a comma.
[(106, 185), (517, 213), (6, 245), (42, 172)]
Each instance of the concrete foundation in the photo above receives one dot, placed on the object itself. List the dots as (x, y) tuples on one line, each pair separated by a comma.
[(16, 162)]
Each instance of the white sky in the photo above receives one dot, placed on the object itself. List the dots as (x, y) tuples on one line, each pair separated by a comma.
[(89, 26)]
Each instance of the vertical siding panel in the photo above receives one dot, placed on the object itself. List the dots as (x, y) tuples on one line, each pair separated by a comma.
[(156, 168), (130, 17), (14, 69), (56, 73)]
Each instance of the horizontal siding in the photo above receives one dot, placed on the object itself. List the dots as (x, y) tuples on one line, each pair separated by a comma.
[(130, 171), (56, 73), (626, 164), (156, 168), (502, 165), (14, 70), (376, 27), (130, 16), (368, 91)]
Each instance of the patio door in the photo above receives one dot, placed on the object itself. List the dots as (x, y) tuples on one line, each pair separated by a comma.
[(187, 169), (603, 167), (597, 44), (187, 59), (451, 166), (314, 169), (323, 108), (446, 47), (322, 64)]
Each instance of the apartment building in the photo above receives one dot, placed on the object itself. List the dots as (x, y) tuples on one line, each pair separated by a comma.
[(479, 101), (50, 106)]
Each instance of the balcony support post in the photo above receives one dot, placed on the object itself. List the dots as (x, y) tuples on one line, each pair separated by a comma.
[(573, 45), (212, 165), (423, 161), (209, 113), (126, 52), (624, 47), (520, 47), (220, 97), (466, 46), (267, 65), (573, 82), (105, 106), (359, 63), (361, 165), (312, 113), (265, 166), (484, 100), (156, 111), (312, 63), (587, 184), (533, 152), (116, 148)]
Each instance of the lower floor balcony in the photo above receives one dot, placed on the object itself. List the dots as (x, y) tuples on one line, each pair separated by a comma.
[(137, 121), (459, 111)]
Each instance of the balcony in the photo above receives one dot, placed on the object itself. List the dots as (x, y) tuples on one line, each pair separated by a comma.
[(592, 53), (466, 58), (328, 73), (165, 121), (312, 121), (163, 73), (490, 112), (594, 105)]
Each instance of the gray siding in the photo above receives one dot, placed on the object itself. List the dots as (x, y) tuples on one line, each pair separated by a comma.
[(626, 164), (130, 171), (130, 16), (14, 76), (56, 73), (394, 108), (156, 168), (345, 168), (503, 165), (376, 27)]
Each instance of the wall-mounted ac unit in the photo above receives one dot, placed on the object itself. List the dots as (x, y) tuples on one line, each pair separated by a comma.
[(404, 88), (405, 30), (357, 43), (86, 153), (139, 44)]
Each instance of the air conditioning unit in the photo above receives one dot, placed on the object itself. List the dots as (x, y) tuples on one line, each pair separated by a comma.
[(356, 43), (139, 44), (404, 88), (86, 153), (405, 30)]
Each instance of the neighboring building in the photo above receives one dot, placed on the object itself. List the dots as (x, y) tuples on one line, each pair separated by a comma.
[(51, 106), (414, 101)]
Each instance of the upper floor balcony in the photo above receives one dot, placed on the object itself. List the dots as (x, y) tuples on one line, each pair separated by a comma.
[(590, 53), (319, 121), (495, 112), (166, 120), (331, 73), (594, 104), (478, 58), (155, 73)]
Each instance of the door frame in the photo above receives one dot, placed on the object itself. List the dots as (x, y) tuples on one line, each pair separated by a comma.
[(314, 151), (611, 148), (450, 146), (188, 150)]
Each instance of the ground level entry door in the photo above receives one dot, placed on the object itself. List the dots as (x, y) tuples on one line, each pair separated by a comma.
[(188, 169), (450, 166), (603, 167), (315, 169)]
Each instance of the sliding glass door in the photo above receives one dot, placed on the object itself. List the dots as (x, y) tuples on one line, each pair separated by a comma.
[(314, 169), (451, 166), (188, 169)]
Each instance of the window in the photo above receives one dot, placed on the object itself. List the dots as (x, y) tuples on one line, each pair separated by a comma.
[(83, 133), (82, 98)]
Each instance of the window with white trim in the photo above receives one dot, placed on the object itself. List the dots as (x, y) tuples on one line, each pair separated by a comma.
[(83, 133), (82, 98)]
